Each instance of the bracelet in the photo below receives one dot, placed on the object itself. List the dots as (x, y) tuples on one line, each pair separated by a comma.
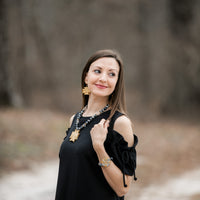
[(105, 162)]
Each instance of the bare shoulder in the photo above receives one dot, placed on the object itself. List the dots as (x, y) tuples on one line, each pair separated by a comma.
[(71, 120), (124, 127)]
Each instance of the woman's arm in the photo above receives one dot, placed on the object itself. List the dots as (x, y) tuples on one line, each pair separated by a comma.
[(112, 173)]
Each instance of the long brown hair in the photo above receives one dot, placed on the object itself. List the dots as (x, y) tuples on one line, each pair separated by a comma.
[(117, 98)]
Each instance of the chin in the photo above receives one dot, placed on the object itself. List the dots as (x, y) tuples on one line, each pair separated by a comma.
[(101, 94)]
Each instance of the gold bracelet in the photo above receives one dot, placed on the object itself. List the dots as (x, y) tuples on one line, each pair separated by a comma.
[(105, 162)]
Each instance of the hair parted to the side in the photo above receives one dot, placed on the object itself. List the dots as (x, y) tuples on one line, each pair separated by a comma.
[(117, 98)]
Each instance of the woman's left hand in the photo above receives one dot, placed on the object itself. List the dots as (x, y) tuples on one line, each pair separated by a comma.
[(99, 133)]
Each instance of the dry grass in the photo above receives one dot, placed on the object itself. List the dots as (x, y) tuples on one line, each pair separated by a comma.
[(195, 197), (28, 136), (166, 147)]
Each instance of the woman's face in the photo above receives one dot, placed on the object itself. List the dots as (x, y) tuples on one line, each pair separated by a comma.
[(102, 76)]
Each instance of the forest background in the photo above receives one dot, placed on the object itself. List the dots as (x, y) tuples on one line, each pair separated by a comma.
[(44, 46)]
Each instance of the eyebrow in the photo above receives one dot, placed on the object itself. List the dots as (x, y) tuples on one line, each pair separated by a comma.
[(108, 70)]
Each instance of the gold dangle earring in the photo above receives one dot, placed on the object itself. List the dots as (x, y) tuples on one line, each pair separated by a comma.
[(86, 90)]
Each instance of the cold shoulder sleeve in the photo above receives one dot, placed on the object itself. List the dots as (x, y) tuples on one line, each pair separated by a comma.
[(72, 124), (123, 156), (67, 131)]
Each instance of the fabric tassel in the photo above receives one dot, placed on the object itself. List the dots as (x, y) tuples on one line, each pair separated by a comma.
[(124, 181), (135, 178)]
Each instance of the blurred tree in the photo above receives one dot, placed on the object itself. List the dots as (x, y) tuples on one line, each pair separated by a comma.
[(5, 96), (9, 86), (46, 44), (185, 50)]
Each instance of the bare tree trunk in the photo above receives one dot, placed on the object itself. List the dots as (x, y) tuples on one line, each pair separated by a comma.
[(11, 54), (5, 96), (43, 50), (184, 55)]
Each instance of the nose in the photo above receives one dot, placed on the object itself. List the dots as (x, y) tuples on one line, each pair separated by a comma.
[(103, 77)]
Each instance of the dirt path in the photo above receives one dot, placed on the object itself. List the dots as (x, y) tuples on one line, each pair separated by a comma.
[(40, 184), (183, 187), (36, 184)]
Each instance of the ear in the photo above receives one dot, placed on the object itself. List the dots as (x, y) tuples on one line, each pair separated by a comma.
[(86, 78)]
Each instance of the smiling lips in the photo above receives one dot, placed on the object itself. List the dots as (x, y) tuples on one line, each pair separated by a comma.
[(101, 86)]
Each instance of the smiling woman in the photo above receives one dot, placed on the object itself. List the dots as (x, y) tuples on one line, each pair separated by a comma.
[(98, 156), (102, 77), (117, 98)]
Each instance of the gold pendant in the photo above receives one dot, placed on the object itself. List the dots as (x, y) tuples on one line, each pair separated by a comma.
[(74, 136)]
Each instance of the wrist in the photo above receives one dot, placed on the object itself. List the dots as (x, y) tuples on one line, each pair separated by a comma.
[(99, 148), (105, 162)]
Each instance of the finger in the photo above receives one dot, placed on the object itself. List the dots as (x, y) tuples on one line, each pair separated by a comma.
[(92, 130), (102, 122), (106, 124)]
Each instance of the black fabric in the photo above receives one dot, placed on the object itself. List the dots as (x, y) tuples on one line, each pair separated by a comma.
[(123, 156), (79, 176)]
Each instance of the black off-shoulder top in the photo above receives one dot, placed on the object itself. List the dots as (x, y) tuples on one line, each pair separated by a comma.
[(79, 176)]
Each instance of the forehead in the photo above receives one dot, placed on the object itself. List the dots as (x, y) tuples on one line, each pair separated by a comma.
[(106, 63)]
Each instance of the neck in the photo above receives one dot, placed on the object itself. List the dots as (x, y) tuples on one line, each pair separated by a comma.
[(95, 105)]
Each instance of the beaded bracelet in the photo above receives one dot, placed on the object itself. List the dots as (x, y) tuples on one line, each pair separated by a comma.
[(105, 162)]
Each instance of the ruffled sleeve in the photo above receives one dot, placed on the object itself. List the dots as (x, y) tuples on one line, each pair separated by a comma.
[(72, 125), (66, 133), (123, 156)]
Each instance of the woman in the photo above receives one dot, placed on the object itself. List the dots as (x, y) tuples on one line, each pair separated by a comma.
[(98, 157)]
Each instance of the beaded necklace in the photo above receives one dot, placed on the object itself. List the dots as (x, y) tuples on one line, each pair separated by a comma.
[(75, 134)]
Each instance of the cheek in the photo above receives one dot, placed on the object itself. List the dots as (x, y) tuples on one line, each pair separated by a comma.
[(90, 78), (113, 83)]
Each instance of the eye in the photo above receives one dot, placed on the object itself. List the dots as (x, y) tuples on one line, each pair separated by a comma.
[(97, 71), (111, 74)]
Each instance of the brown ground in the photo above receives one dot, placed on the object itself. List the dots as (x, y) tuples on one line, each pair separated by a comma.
[(28, 136), (166, 147)]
